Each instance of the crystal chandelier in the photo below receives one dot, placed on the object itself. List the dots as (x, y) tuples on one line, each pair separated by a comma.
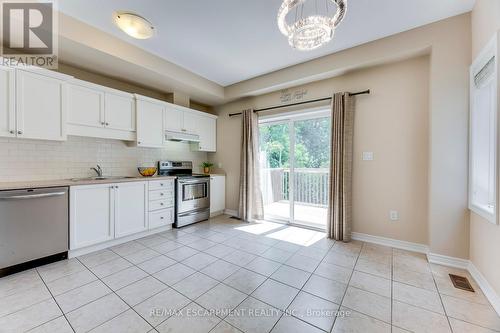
[(310, 32)]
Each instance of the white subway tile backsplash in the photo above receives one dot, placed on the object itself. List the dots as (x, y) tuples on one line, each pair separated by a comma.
[(42, 160)]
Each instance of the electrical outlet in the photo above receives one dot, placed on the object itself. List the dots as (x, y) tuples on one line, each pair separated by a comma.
[(367, 156), (220, 165), (394, 215)]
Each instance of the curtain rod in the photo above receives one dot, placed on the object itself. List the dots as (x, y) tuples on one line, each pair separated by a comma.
[(300, 103)]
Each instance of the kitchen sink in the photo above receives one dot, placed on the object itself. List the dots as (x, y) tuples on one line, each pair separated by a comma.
[(101, 178)]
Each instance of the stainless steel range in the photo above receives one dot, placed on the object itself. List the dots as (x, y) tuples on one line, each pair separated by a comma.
[(192, 200)]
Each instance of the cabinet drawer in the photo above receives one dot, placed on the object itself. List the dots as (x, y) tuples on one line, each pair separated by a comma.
[(160, 204), (161, 218), (161, 184), (161, 194)]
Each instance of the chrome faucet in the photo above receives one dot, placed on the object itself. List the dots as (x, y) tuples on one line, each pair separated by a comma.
[(98, 170)]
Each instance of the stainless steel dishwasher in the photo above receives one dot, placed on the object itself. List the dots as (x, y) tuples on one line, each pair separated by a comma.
[(33, 228)]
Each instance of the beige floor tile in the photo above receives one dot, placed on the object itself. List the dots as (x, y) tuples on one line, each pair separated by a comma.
[(474, 313), (58, 325), (352, 248), (80, 296), (459, 326), (30, 317), (127, 322), (368, 303), (141, 256), (199, 261), (220, 269), (313, 252), (60, 269), (69, 282), (224, 327), (151, 241), (244, 316), (110, 267), (416, 279), (276, 254), (417, 319), (202, 245), (302, 262), (128, 248), (192, 316), (263, 266), (15, 283), (221, 299), (446, 287), (334, 272), (340, 259), (23, 299), (288, 324), (219, 250), (245, 281), (124, 278), (291, 276), (156, 264), (96, 313), (141, 290), (161, 306), (378, 255), (372, 283), (166, 247), (275, 293), (422, 298), (195, 285), (173, 274), (330, 290), (350, 321), (375, 268), (181, 253), (415, 264), (314, 310), (239, 258), (96, 258)]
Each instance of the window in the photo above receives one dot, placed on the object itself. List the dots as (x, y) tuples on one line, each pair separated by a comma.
[(483, 134)]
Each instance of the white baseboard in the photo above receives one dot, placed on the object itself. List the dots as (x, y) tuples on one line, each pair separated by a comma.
[(440, 259), (398, 244), (488, 291), (105, 245), (231, 212)]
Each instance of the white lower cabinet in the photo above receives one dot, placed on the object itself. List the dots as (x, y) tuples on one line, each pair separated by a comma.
[(99, 213), (161, 203), (91, 215), (130, 208), (217, 194), (161, 218)]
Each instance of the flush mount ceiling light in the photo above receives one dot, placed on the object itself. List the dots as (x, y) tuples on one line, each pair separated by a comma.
[(308, 32), (134, 25)]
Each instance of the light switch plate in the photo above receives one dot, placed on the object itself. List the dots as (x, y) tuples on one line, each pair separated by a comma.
[(367, 156), (394, 215)]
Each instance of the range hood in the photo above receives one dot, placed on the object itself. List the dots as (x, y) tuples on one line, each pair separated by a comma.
[(181, 137)]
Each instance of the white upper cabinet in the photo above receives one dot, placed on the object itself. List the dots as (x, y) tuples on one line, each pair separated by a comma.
[(205, 127), (40, 105), (119, 111), (174, 119), (98, 111), (85, 106), (7, 102), (150, 114)]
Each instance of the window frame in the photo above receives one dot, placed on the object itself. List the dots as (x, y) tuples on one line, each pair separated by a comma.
[(489, 51)]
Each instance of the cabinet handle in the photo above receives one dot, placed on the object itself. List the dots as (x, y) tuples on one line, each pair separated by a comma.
[(184, 130), (103, 123), (161, 203), (162, 194), (12, 132), (19, 132), (161, 184), (161, 217), (107, 124), (138, 142)]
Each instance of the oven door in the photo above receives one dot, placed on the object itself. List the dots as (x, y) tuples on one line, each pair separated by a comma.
[(193, 194)]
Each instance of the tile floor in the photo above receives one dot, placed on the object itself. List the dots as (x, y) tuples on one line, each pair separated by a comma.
[(227, 276)]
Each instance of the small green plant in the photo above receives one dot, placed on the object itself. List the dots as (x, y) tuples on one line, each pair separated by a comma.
[(207, 165)]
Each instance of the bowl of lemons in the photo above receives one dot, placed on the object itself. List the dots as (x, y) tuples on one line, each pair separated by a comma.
[(147, 171)]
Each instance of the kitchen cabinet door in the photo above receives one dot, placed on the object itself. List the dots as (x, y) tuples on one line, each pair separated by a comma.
[(7, 102), (120, 111), (85, 106), (41, 112), (91, 215), (217, 194), (174, 119), (149, 124), (208, 134), (130, 208)]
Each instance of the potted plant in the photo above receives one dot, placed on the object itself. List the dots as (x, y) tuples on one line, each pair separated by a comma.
[(206, 166)]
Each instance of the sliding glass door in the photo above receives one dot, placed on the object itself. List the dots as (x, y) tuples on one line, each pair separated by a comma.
[(295, 157)]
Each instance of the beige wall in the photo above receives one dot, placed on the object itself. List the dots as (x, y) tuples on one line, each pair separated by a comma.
[(484, 236), (392, 122), (448, 42)]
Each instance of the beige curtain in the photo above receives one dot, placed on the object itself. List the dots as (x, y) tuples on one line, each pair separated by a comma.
[(251, 206), (340, 185)]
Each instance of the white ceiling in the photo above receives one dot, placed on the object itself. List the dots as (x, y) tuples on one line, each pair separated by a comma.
[(228, 41)]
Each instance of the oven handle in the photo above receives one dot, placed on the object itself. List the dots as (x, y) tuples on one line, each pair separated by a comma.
[(193, 212), (193, 181)]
